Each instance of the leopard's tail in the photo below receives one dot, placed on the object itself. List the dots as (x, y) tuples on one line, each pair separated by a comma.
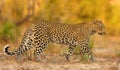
[(9, 52)]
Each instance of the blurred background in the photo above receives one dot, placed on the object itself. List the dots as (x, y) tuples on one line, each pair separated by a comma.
[(15, 14)]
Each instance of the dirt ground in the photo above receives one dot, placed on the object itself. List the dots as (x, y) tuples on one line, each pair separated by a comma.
[(106, 51)]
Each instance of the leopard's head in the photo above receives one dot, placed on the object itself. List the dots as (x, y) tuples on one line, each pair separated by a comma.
[(98, 27)]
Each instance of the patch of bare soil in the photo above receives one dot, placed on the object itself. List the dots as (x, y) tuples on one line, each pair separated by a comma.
[(105, 50), (59, 63)]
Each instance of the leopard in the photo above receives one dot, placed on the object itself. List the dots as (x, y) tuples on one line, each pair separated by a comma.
[(42, 32)]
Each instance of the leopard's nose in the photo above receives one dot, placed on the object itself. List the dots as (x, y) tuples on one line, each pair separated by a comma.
[(101, 33)]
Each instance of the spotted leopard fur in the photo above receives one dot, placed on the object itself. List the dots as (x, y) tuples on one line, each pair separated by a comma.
[(41, 33)]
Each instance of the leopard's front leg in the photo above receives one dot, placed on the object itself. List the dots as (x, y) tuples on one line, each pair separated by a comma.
[(70, 52), (86, 52)]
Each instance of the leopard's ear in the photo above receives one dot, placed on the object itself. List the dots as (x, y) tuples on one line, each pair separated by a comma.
[(96, 21)]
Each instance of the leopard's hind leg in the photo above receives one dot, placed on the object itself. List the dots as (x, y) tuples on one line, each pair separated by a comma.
[(39, 49)]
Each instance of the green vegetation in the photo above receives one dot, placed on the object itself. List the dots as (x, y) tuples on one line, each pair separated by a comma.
[(8, 31), (84, 58), (68, 11)]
